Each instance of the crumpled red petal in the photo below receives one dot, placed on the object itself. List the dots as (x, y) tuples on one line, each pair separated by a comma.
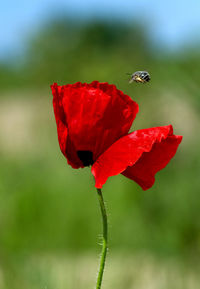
[(61, 121), (144, 170), (94, 115), (127, 152)]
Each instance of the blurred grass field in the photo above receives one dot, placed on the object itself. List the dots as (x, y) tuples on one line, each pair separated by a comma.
[(79, 271), (49, 215)]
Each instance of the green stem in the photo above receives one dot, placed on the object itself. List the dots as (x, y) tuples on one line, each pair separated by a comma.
[(105, 237)]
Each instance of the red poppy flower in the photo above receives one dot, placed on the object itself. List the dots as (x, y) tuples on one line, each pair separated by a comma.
[(93, 121)]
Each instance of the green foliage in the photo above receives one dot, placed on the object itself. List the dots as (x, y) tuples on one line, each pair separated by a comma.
[(65, 51)]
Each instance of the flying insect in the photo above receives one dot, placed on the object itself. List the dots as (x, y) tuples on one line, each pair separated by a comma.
[(140, 76)]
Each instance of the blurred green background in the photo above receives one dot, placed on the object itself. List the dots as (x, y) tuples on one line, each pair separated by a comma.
[(50, 222)]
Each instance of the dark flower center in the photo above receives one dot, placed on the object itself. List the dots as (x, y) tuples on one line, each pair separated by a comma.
[(86, 157)]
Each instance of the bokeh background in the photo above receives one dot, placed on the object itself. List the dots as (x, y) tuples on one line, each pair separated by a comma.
[(50, 222)]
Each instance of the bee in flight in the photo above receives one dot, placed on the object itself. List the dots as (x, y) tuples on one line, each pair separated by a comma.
[(139, 76)]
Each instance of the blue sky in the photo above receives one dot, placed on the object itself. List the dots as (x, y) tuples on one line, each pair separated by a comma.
[(173, 23)]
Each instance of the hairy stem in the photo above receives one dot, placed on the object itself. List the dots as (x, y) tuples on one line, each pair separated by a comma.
[(105, 237)]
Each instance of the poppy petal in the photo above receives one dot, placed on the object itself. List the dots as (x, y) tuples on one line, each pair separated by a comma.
[(96, 115), (63, 137), (144, 170), (128, 150)]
